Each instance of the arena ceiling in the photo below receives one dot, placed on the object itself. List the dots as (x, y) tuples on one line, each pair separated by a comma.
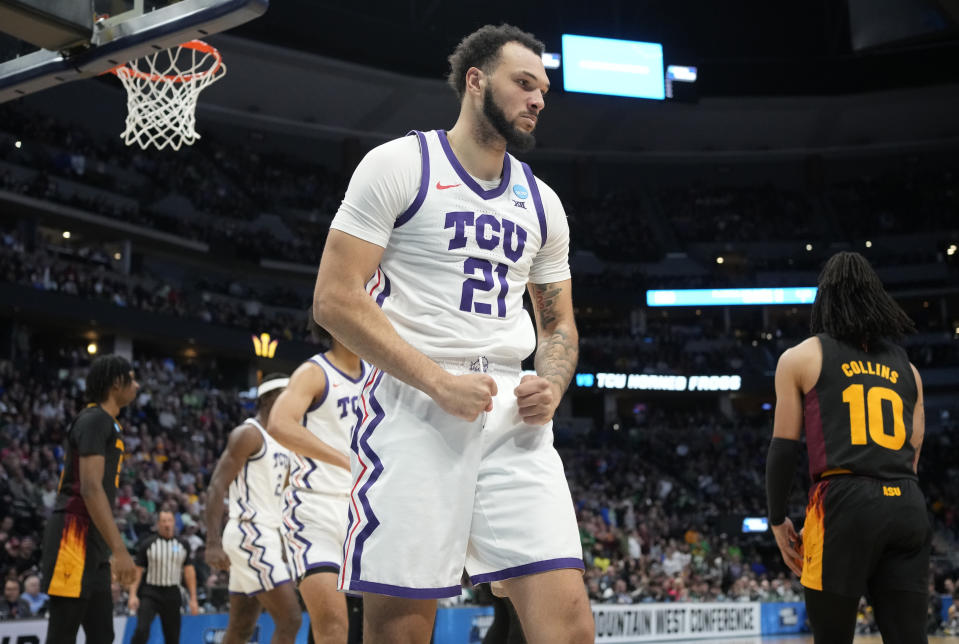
[(742, 47)]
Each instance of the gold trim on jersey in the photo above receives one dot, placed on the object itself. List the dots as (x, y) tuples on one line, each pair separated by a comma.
[(836, 471)]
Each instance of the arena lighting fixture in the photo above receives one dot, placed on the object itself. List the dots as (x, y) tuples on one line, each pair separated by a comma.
[(18, 144), (66, 234), (117, 256), (952, 249), (808, 246), (92, 348), (868, 244), (720, 260), (551, 60), (264, 346)]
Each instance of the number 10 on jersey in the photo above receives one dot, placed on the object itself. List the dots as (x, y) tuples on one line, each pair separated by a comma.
[(865, 410)]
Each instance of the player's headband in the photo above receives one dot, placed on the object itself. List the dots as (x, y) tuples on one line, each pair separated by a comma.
[(271, 385)]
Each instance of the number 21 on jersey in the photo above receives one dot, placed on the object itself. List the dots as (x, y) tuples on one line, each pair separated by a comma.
[(865, 411), (490, 233)]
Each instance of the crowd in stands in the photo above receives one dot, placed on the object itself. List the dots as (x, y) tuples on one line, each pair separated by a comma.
[(598, 225), (212, 193), (738, 214), (611, 343), (173, 434), (653, 496), (250, 204), (662, 346), (91, 276), (910, 199)]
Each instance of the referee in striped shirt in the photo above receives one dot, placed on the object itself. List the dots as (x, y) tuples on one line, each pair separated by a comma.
[(161, 559)]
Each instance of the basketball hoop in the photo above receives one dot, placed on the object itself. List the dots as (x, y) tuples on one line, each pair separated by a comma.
[(162, 90)]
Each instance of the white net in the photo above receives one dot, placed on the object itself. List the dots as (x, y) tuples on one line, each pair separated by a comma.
[(162, 90)]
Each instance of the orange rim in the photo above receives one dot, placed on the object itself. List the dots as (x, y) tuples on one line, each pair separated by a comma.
[(126, 70)]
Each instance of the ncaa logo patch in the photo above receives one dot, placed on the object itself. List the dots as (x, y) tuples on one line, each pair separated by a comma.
[(520, 191)]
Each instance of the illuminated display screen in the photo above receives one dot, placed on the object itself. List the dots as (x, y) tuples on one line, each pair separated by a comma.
[(657, 382), (755, 524), (731, 296), (614, 67)]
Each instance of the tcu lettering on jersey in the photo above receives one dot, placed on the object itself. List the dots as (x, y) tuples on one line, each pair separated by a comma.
[(486, 232), (452, 277)]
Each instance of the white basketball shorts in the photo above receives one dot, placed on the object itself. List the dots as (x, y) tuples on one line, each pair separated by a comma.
[(256, 557), (314, 524), (433, 494)]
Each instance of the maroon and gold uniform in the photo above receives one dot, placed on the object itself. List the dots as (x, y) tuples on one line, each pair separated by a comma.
[(858, 424), (76, 559)]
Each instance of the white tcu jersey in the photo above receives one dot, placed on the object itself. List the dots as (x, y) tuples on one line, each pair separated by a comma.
[(256, 494), (332, 420), (459, 257)]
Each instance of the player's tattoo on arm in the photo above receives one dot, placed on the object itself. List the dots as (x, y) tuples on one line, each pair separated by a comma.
[(558, 349), (556, 357), (545, 301)]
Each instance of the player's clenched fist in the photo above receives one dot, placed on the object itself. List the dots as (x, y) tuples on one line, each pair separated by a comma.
[(216, 557), (467, 396), (537, 400), (123, 568)]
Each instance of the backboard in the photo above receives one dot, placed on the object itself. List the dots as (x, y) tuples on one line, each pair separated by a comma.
[(122, 30)]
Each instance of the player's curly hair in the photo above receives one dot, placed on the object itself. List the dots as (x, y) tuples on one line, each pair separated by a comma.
[(481, 49), (105, 372), (852, 305)]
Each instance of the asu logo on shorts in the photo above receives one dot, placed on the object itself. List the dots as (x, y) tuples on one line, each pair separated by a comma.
[(891, 490), (67, 577)]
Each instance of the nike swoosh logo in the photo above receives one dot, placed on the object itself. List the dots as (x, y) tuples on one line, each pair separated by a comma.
[(440, 186)]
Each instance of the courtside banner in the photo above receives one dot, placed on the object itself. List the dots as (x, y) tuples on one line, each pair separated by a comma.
[(34, 631), (660, 622)]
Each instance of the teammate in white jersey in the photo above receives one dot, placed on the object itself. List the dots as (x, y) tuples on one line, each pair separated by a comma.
[(319, 409), (256, 468), (453, 464)]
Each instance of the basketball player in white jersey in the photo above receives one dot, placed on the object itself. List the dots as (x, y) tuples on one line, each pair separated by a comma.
[(319, 409), (453, 464), (255, 467)]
